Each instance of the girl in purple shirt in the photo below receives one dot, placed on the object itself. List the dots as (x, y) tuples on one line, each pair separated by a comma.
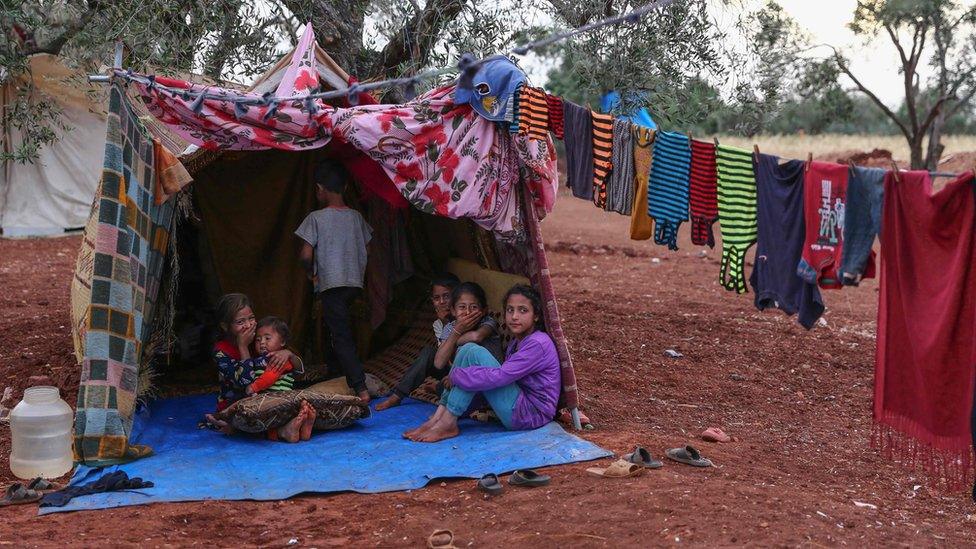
[(523, 391)]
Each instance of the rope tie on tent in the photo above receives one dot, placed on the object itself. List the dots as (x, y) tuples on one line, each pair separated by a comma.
[(353, 97)]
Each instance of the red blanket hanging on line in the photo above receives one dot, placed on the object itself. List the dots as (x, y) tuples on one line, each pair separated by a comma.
[(923, 392)]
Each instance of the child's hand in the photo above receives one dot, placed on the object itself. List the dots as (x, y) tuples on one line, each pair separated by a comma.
[(280, 358), (245, 338), (467, 322)]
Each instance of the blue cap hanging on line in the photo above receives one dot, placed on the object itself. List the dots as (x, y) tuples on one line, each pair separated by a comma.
[(611, 100), (492, 88)]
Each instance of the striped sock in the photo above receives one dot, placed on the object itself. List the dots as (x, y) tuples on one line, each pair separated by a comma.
[(533, 114), (667, 191), (513, 105), (704, 201), (555, 108), (736, 213), (602, 156), (620, 189), (641, 225)]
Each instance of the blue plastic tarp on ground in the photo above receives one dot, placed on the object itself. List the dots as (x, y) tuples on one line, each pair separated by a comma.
[(195, 464)]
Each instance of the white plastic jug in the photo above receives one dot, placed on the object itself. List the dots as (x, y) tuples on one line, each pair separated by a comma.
[(40, 428)]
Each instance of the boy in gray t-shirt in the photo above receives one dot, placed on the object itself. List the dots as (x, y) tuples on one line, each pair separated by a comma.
[(334, 256)]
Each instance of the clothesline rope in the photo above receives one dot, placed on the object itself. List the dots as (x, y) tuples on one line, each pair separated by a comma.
[(467, 64)]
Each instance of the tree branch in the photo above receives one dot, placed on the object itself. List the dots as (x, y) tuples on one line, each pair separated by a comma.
[(871, 95), (72, 28), (894, 40), (960, 103), (933, 112), (418, 36)]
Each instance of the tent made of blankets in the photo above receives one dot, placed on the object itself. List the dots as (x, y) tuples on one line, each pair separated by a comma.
[(443, 189)]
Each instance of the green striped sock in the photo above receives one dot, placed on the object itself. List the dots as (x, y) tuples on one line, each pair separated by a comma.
[(736, 213)]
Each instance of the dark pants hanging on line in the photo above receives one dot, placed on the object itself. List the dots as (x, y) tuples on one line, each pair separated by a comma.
[(335, 313)]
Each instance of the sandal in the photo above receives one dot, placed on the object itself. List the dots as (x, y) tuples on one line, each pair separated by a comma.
[(528, 477), (714, 434), (18, 494), (42, 485), (618, 469), (566, 418), (689, 456), (490, 485), (441, 539), (643, 458)]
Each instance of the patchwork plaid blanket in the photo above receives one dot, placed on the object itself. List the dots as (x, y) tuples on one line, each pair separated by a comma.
[(115, 288)]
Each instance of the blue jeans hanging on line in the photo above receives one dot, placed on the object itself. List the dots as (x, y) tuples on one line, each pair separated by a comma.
[(502, 400)]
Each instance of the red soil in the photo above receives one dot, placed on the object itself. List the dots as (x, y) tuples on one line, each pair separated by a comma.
[(798, 402)]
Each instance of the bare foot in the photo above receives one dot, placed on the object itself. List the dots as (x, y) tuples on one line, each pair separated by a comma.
[(310, 414), (437, 432), (364, 396), (221, 425), (421, 428), (394, 400), (291, 431)]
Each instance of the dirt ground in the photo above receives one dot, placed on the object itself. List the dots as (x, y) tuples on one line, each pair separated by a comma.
[(801, 472)]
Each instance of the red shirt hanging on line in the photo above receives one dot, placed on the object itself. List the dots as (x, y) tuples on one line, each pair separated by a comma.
[(824, 210)]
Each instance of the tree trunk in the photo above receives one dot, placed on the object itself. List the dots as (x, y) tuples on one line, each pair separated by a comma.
[(935, 146), (338, 28), (915, 146)]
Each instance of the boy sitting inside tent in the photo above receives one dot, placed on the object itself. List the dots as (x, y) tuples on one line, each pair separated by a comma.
[(334, 256), (423, 367)]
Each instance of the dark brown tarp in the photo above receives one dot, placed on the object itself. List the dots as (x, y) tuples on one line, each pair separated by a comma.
[(267, 194)]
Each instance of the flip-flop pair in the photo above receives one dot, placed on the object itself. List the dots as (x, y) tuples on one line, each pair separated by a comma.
[(634, 463), (490, 484)]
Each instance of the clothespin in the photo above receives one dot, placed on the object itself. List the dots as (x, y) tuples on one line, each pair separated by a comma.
[(755, 151), (410, 90), (809, 161), (716, 141), (197, 105), (894, 171), (353, 97)]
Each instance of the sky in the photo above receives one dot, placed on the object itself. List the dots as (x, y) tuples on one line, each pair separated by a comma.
[(874, 63)]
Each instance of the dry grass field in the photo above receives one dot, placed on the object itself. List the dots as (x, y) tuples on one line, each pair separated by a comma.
[(798, 146)]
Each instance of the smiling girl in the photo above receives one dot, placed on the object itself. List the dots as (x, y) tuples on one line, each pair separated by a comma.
[(523, 390), (471, 324), (238, 364)]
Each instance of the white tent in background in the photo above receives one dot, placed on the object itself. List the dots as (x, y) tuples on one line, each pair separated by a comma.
[(55, 191)]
